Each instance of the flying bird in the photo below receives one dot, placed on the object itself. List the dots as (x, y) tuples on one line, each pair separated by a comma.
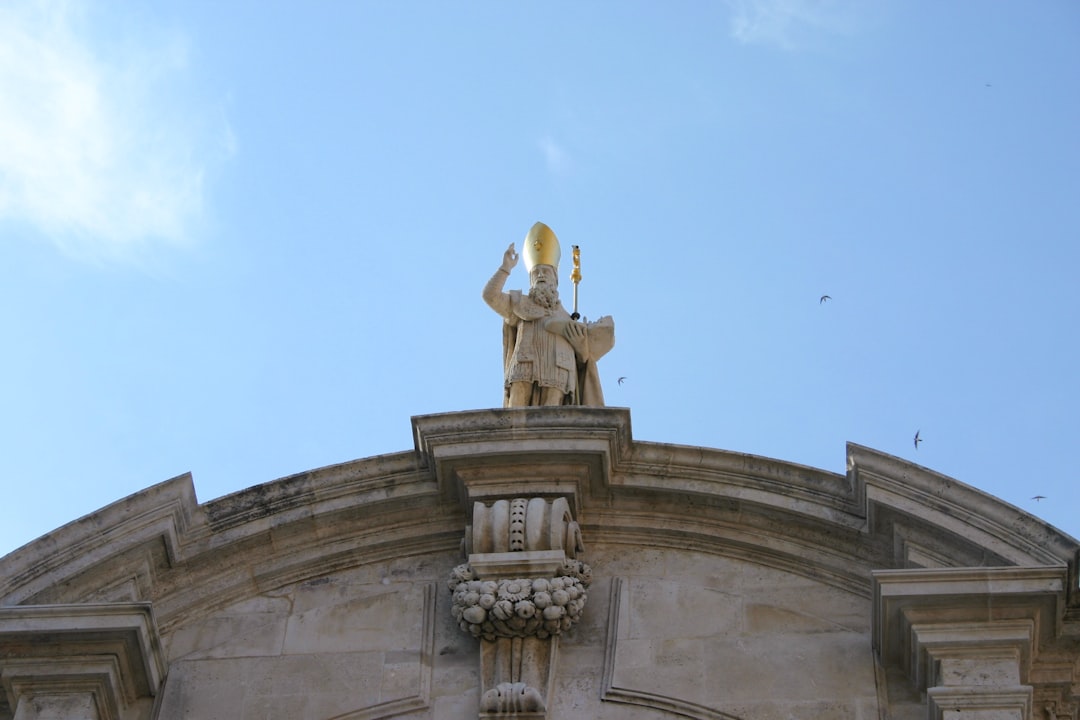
[(621, 379), (1037, 498), (917, 439), (823, 299)]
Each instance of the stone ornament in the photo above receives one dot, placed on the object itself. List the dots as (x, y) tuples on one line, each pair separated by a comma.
[(512, 698), (523, 524), (518, 607), (520, 588)]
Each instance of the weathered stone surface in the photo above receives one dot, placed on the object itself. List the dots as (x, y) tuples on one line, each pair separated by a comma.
[(723, 586), (675, 643), (63, 706), (336, 646)]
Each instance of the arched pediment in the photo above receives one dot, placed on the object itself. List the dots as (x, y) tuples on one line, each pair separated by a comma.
[(865, 558)]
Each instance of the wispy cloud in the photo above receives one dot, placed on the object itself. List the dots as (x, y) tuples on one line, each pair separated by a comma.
[(555, 157), (104, 149), (789, 24)]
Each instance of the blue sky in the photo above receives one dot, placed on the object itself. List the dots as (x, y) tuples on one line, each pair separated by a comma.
[(248, 239)]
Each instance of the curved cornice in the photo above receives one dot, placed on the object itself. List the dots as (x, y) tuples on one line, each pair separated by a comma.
[(883, 513)]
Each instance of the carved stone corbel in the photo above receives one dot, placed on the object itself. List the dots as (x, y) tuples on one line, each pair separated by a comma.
[(521, 588)]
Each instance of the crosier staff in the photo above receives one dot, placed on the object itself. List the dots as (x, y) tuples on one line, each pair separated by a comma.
[(575, 276)]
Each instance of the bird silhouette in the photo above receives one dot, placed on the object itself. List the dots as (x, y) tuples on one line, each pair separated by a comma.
[(621, 379), (917, 439), (823, 299)]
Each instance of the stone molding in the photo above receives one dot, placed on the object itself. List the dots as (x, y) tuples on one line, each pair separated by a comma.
[(779, 513), (971, 639), (482, 455), (589, 455), (109, 654), (160, 545), (997, 703), (947, 504), (421, 699), (164, 514), (525, 563), (612, 691)]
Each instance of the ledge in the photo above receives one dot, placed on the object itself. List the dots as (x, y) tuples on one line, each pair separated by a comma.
[(929, 622), (109, 651)]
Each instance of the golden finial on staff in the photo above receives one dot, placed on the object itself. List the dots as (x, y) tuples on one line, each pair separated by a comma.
[(575, 276)]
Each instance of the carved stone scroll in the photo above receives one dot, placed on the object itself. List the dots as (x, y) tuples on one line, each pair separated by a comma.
[(523, 525)]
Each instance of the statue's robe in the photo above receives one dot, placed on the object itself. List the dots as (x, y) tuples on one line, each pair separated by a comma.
[(535, 350)]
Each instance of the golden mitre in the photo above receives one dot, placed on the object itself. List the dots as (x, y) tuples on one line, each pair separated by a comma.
[(541, 247)]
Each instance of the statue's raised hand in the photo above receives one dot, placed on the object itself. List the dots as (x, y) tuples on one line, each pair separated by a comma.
[(510, 258)]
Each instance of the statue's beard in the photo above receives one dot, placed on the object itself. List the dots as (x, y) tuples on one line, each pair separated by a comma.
[(546, 296)]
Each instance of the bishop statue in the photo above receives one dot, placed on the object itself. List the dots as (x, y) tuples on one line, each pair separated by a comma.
[(549, 358)]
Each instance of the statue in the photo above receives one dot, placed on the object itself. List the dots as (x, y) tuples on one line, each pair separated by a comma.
[(549, 358)]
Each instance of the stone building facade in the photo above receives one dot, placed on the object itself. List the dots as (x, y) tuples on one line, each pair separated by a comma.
[(541, 563)]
